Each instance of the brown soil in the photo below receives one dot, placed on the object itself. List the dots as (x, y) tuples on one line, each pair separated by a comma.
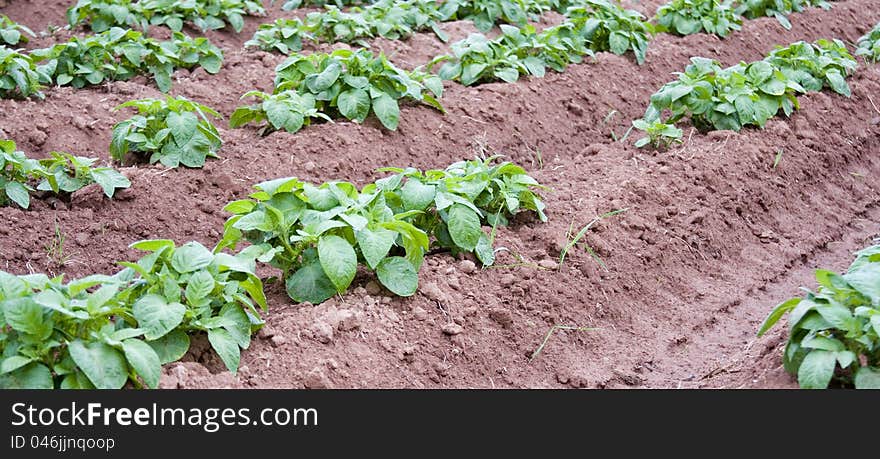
[(714, 235)]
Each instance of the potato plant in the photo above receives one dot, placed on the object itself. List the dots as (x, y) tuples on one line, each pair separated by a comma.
[(20, 76), (816, 65), (486, 13), (120, 54), (102, 15), (319, 235), (607, 26), (834, 333), (294, 4), (686, 17), (105, 331), (869, 45), (13, 33), (174, 131), (392, 19), (514, 53), (286, 110), (344, 83), (657, 134), (750, 94), (284, 36), (61, 174), (779, 9)]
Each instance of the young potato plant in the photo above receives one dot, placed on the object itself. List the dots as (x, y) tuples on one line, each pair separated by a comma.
[(834, 333), (289, 5), (607, 26), (657, 134), (20, 76), (284, 36), (13, 33), (287, 110), (318, 235), (66, 173), (173, 131), (204, 14), (60, 174), (392, 19), (186, 289), (486, 13), (686, 17), (352, 85), (869, 45), (731, 98), (516, 52), (120, 54), (816, 65), (104, 331), (779, 9)]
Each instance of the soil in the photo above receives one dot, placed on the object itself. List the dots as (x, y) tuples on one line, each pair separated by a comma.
[(714, 235)]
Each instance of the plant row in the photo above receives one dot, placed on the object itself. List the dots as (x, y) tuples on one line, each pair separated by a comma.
[(393, 19), (13, 33), (745, 94), (869, 45), (594, 26), (721, 17), (60, 174), (834, 333), (103, 15), (105, 331), (115, 54)]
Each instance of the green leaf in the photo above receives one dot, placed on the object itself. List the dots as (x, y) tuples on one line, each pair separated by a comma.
[(865, 280), (464, 227), (237, 324), (375, 244), (183, 126), (817, 369), (416, 195), (326, 78), (484, 250), (144, 360), (398, 275), (200, 285), (190, 257), (618, 42), (157, 316), (109, 180), (310, 283), (171, 347), (777, 314), (354, 104), (387, 110), (339, 261), (14, 363), (32, 376), (18, 194), (103, 365), (867, 378), (26, 316), (226, 347)]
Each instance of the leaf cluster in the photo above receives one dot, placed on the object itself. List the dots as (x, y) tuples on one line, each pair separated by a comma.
[(834, 333), (102, 15), (319, 235), (686, 17), (120, 54), (13, 33), (174, 131), (779, 9), (104, 331), (869, 45), (486, 13), (750, 94), (344, 83), (20, 75), (61, 174)]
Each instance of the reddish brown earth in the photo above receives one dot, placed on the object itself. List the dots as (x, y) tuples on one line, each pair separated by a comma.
[(714, 235)]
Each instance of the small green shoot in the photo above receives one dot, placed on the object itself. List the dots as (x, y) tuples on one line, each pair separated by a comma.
[(576, 238), (550, 333)]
